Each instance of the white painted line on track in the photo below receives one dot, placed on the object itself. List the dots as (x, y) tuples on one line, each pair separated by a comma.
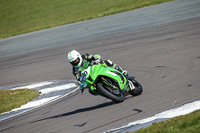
[(183, 110), (33, 104), (34, 85), (49, 92), (57, 88)]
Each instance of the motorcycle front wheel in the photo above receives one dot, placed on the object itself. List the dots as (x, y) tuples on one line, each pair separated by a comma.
[(108, 94), (138, 88)]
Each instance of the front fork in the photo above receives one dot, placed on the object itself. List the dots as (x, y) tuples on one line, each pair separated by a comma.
[(113, 89)]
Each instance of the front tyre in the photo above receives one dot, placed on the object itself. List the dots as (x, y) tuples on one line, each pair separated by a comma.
[(138, 88), (108, 94)]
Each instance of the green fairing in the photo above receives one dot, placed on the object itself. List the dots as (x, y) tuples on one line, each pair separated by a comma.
[(91, 73)]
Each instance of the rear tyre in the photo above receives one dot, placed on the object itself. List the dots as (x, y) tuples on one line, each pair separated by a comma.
[(138, 88), (108, 94)]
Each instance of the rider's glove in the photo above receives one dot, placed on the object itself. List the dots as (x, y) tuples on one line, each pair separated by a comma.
[(88, 57)]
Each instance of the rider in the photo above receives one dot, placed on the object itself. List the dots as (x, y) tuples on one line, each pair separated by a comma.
[(81, 62)]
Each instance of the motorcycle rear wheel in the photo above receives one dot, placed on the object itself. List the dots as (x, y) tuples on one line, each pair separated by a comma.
[(108, 94)]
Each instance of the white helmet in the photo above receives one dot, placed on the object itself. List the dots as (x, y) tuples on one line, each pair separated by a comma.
[(75, 58)]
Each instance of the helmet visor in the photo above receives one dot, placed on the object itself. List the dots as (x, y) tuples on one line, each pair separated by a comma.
[(75, 62)]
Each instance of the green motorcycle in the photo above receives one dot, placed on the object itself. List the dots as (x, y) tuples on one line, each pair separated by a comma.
[(109, 82)]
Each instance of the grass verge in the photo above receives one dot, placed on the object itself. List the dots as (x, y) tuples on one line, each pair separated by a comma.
[(10, 99), (183, 124), (22, 16)]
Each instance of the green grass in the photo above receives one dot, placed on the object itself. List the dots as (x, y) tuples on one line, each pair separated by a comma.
[(10, 99), (22, 16), (183, 124)]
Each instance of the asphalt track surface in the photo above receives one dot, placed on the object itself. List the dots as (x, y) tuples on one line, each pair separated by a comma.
[(164, 58)]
